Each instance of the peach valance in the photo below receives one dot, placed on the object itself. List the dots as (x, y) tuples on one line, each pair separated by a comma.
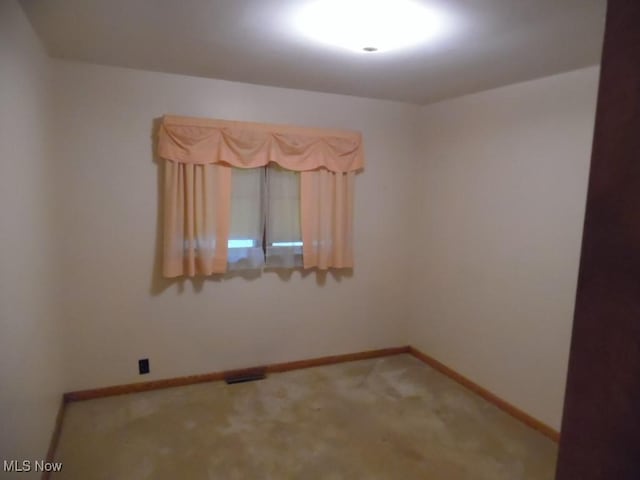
[(250, 145)]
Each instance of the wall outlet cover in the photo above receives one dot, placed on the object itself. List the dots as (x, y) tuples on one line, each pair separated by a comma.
[(143, 366)]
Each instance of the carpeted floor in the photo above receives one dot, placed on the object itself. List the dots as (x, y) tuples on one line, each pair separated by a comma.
[(389, 418)]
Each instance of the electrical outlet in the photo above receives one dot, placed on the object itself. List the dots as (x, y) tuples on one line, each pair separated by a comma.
[(143, 366)]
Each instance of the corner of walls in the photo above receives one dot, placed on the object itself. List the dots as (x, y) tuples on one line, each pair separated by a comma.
[(410, 240), (416, 238)]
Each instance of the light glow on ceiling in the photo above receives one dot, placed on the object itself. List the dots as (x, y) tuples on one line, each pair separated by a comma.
[(369, 26)]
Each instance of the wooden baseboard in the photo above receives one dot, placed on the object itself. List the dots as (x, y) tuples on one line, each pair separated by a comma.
[(55, 437), (300, 364), (217, 376), (487, 395), (349, 357)]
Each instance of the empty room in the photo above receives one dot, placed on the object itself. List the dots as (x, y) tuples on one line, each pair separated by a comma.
[(319, 239)]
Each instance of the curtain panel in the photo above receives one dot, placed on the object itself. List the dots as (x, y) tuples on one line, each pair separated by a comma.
[(327, 218), (199, 154), (197, 209)]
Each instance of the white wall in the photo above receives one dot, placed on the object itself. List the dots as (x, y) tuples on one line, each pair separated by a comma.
[(30, 369), (499, 207), (116, 306), (468, 226)]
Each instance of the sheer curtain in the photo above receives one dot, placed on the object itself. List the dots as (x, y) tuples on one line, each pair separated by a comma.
[(283, 234), (196, 218), (247, 219)]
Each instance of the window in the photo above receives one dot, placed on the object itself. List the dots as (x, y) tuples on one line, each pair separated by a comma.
[(265, 219), (244, 195)]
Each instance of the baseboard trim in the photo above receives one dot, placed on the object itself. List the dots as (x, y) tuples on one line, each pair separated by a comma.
[(502, 404), (218, 376), (55, 437), (349, 357), (301, 364)]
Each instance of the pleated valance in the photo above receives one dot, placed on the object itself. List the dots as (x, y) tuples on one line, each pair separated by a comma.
[(201, 141)]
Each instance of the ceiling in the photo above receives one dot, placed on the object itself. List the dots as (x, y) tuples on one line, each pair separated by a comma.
[(489, 43)]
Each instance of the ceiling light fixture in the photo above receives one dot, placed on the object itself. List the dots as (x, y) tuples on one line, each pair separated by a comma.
[(369, 25)]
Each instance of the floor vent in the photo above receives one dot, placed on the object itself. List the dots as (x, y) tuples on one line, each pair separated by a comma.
[(247, 375)]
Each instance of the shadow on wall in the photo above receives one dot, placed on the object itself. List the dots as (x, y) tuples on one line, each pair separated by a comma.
[(159, 283)]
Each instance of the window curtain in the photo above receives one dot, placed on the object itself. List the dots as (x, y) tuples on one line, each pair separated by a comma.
[(199, 153), (284, 239), (197, 201), (247, 219), (327, 219)]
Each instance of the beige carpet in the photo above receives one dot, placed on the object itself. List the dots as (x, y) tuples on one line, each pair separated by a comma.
[(390, 418)]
